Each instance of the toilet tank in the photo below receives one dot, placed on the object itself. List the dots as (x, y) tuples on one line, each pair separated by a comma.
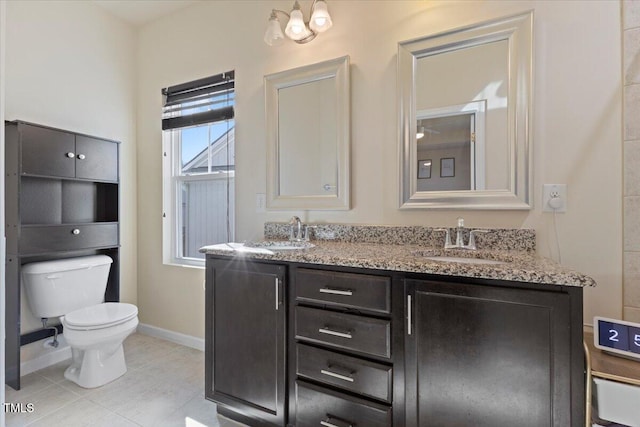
[(55, 288)]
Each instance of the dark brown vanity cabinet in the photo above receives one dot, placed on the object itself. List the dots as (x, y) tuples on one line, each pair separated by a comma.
[(341, 365), (61, 201), (377, 348), (491, 355), (245, 357)]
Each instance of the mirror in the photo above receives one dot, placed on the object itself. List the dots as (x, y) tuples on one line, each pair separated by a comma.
[(465, 115), (308, 131)]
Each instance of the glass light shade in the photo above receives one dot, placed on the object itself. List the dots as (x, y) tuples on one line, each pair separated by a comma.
[(296, 29), (320, 19), (273, 35)]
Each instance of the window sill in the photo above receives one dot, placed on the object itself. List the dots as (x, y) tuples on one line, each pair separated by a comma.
[(177, 264)]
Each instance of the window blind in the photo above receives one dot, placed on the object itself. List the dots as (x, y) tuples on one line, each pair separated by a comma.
[(206, 100)]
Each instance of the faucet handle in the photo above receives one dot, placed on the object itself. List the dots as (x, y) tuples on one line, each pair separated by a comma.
[(305, 231), (447, 237), (460, 221), (472, 238)]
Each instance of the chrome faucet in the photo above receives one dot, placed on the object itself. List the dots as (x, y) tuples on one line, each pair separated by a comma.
[(296, 229), (459, 237)]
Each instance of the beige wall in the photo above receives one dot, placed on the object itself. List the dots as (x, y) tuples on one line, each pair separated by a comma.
[(71, 65), (576, 128), (631, 200)]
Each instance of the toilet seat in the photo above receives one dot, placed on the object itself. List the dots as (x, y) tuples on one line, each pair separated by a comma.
[(100, 316)]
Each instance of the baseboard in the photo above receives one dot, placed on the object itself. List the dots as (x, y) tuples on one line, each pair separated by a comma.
[(176, 337), (49, 357)]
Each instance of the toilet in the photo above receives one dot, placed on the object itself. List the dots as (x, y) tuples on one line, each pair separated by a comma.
[(73, 290)]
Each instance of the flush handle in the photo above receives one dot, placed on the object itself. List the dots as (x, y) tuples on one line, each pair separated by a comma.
[(75, 231)]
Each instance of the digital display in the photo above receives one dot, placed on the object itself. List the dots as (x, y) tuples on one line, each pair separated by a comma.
[(620, 336)]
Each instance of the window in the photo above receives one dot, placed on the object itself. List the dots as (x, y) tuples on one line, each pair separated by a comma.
[(198, 167)]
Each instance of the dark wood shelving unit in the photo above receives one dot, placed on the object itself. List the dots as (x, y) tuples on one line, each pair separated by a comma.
[(62, 200)]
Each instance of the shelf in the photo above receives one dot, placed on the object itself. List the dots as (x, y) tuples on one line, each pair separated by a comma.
[(56, 201)]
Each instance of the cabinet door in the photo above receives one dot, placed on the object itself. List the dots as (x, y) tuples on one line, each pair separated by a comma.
[(245, 349), (96, 159), (47, 152), (487, 356)]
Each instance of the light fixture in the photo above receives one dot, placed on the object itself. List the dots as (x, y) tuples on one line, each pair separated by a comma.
[(296, 29)]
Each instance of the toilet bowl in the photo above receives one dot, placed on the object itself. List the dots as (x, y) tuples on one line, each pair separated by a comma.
[(95, 335), (73, 290)]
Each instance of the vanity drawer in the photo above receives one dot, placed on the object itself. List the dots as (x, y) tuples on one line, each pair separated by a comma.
[(361, 291), (53, 238), (348, 331), (349, 373), (316, 407)]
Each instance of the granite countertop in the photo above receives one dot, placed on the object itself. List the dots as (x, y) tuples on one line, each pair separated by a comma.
[(517, 266)]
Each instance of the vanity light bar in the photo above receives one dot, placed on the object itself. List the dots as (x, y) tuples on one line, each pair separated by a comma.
[(296, 29)]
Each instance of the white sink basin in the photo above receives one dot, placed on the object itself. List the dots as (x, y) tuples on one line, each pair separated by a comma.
[(266, 247), (463, 260)]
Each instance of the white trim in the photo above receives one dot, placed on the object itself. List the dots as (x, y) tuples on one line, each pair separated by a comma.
[(44, 361), (176, 337)]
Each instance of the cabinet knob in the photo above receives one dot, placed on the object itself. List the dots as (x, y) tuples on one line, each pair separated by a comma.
[(75, 231), (70, 155), (81, 156)]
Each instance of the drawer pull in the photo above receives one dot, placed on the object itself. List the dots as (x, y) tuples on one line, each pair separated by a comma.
[(75, 231), (328, 331), (336, 375), (328, 423), (345, 292)]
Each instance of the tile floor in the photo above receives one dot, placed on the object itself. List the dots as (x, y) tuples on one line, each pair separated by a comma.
[(164, 386)]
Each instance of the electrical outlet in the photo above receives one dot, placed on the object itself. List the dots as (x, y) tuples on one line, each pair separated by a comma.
[(261, 202), (554, 198)]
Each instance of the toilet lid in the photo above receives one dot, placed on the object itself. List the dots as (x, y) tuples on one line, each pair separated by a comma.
[(100, 315)]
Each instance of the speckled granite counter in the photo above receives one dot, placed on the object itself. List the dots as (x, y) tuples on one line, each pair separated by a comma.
[(518, 265)]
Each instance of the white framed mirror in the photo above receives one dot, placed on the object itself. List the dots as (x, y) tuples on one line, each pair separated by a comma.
[(465, 117), (308, 137)]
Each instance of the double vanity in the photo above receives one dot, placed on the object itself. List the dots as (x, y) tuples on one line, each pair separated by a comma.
[(380, 326)]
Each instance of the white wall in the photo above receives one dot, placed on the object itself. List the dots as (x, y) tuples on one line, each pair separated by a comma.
[(576, 129), (71, 65)]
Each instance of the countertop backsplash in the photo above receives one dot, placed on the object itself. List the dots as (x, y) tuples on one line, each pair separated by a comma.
[(504, 239)]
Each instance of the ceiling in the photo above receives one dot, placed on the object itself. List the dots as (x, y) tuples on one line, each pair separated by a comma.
[(140, 12)]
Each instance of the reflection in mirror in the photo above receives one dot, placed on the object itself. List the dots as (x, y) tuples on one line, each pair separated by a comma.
[(308, 129), (452, 132), (464, 98)]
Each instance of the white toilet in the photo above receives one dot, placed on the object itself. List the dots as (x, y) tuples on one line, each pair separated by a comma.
[(73, 290)]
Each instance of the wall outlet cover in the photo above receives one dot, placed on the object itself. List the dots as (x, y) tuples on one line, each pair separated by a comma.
[(554, 198)]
